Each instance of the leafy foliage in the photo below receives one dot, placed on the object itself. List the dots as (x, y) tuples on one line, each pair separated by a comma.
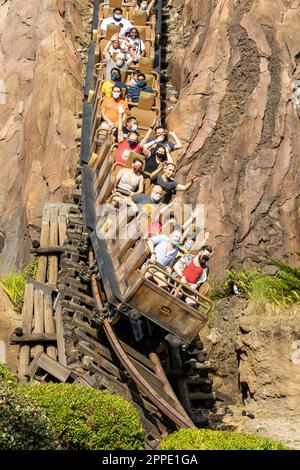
[(203, 439), (282, 288), (14, 283), (7, 376), (23, 426), (86, 419)]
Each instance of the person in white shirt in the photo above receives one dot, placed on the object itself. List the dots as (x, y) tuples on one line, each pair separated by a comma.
[(134, 46), (117, 18)]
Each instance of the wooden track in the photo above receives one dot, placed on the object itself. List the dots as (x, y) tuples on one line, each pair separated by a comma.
[(69, 332)]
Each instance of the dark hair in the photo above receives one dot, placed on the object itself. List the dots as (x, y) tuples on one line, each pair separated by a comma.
[(142, 75), (138, 34), (177, 228), (117, 86), (131, 118), (118, 9), (137, 160), (161, 146), (133, 132), (206, 248), (115, 69), (160, 127)]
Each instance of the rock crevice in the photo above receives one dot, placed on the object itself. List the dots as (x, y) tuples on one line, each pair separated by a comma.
[(235, 69), (41, 95)]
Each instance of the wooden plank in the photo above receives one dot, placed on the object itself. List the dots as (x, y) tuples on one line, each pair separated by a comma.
[(60, 336), (43, 361), (100, 360), (152, 379), (34, 338), (85, 326), (49, 323), (53, 261), (136, 355), (27, 311), (49, 250), (79, 334), (46, 288), (83, 382), (135, 259), (27, 314), (44, 242), (62, 228), (38, 318), (78, 295)]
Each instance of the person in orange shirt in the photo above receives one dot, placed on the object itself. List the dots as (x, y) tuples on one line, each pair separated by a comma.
[(110, 109)]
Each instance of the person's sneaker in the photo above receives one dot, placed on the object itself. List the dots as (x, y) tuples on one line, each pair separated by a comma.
[(250, 415)]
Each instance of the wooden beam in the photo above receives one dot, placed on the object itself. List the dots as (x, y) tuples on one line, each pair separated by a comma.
[(60, 336), (53, 269), (46, 288), (43, 361), (48, 250), (49, 325), (33, 338), (27, 314), (44, 242), (38, 318)]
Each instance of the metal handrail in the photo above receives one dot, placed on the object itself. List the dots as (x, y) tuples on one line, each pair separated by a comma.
[(188, 291)]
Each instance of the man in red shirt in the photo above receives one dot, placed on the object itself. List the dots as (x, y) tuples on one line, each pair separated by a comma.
[(131, 143)]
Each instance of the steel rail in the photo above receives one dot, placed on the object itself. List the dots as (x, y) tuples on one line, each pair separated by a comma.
[(172, 413)]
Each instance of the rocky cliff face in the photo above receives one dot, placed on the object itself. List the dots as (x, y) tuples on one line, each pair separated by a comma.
[(255, 357), (236, 66), (40, 94)]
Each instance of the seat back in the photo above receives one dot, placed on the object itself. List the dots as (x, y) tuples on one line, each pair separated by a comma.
[(107, 11), (115, 3), (132, 156), (146, 100), (139, 17), (145, 65), (145, 118), (142, 32), (111, 30)]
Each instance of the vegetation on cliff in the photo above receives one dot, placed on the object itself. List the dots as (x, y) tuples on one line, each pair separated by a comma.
[(281, 288)]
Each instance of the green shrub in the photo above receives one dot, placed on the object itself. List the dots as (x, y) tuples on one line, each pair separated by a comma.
[(203, 439), (84, 418), (281, 289), (14, 283), (7, 376), (23, 426)]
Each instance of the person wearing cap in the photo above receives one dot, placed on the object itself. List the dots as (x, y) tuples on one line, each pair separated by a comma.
[(117, 18)]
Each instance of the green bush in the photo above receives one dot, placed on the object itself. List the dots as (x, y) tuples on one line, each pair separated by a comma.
[(7, 376), (282, 288), (14, 283), (23, 426), (84, 418), (203, 439)]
